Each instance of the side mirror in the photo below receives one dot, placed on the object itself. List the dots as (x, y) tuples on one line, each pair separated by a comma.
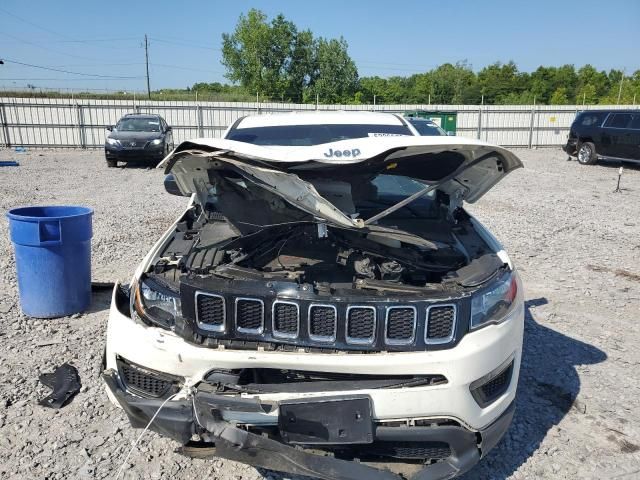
[(171, 186), (109, 127), (169, 128)]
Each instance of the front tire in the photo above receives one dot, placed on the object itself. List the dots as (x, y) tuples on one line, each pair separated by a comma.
[(587, 154), (112, 163)]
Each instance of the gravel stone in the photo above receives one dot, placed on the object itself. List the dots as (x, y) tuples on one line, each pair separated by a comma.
[(576, 245)]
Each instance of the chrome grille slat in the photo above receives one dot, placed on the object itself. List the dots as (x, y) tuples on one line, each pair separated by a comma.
[(323, 322), (249, 315), (400, 325), (286, 319), (440, 323), (361, 325), (210, 311)]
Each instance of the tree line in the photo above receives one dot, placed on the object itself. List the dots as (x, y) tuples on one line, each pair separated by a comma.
[(279, 62)]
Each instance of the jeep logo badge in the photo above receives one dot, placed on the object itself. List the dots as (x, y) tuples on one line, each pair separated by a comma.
[(354, 152)]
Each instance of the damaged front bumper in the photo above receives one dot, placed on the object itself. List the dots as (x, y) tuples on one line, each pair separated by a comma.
[(201, 414)]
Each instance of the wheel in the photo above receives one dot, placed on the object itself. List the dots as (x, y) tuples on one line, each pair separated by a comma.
[(112, 163), (587, 153)]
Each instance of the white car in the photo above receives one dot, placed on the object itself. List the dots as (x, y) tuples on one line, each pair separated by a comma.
[(325, 298)]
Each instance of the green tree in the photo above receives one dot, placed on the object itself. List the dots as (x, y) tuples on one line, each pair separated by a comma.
[(586, 95), (559, 97), (498, 81), (335, 78), (259, 54)]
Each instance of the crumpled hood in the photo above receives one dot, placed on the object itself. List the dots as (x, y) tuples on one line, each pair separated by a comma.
[(466, 168)]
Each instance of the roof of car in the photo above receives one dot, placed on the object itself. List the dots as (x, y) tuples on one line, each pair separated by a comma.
[(612, 110), (141, 115), (319, 118)]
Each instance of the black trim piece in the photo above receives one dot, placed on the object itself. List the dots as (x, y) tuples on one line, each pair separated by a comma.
[(287, 292), (175, 420), (476, 387), (147, 376), (122, 299)]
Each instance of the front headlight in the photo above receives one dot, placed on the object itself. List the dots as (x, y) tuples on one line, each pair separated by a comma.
[(113, 141), (156, 142), (156, 303), (495, 304)]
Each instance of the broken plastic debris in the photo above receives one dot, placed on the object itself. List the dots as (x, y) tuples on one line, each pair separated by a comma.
[(65, 383)]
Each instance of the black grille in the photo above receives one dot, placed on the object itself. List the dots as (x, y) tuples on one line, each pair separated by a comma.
[(490, 390), (285, 318), (494, 388), (210, 310), (410, 450), (249, 314), (322, 321), (142, 381), (401, 324), (361, 323), (440, 323)]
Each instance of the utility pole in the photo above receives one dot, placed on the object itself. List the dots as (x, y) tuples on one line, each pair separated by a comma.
[(146, 56), (620, 89)]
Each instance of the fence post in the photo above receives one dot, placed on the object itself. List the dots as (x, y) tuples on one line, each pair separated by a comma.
[(81, 132), (531, 127), (200, 122), (479, 121), (5, 125)]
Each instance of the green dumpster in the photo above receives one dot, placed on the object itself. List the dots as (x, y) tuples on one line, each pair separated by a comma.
[(445, 120)]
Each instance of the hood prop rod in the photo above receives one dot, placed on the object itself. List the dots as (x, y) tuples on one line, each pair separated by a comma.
[(428, 189)]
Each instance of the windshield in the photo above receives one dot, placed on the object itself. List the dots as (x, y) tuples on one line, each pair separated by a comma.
[(308, 135), (361, 196), (387, 190), (138, 125), (426, 128)]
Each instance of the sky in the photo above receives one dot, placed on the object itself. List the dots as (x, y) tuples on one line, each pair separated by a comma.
[(99, 45)]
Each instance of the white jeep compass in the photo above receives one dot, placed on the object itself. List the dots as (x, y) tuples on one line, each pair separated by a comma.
[(325, 306)]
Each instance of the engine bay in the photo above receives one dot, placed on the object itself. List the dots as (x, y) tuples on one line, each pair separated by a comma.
[(382, 257)]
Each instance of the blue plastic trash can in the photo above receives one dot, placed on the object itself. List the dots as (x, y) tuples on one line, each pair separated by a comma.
[(53, 259)]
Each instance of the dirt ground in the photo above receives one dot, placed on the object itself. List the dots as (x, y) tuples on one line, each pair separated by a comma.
[(575, 242)]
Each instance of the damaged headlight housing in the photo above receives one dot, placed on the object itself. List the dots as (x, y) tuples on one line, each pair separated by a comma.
[(156, 303), (494, 304)]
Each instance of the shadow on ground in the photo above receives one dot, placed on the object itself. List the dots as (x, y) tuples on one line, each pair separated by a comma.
[(138, 164), (548, 387)]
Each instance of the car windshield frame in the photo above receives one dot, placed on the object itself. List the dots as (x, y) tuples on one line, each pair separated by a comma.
[(139, 124), (314, 134)]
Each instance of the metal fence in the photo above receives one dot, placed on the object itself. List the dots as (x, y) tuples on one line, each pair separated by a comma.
[(53, 122)]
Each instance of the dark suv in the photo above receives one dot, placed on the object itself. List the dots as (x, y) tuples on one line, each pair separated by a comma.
[(138, 138), (612, 134)]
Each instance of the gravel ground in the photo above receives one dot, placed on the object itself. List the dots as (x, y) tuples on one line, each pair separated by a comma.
[(576, 244)]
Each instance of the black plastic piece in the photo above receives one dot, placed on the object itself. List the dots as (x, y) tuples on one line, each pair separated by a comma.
[(175, 420), (65, 383), (334, 421), (488, 388), (285, 291)]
